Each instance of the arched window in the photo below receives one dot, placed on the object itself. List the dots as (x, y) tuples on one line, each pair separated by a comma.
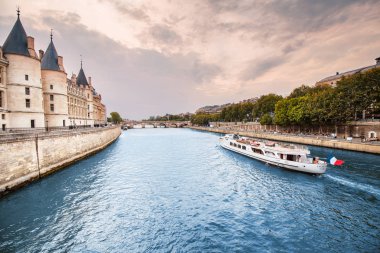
[(372, 134)]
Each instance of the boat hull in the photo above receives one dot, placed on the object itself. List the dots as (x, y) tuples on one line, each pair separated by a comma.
[(319, 168)]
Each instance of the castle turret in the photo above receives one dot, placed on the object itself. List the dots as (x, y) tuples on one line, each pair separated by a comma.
[(82, 80), (54, 85), (24, 89)]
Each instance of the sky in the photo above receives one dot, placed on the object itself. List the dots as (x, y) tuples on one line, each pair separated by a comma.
[(153, 57)]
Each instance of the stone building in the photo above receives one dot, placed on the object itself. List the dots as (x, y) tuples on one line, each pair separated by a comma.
[(35, 91), (332, 80), (99, 109), (3, 97), (78, 103), (85, 105)]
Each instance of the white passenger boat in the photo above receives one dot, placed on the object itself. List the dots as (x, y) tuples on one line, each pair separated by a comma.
[(288, 156)]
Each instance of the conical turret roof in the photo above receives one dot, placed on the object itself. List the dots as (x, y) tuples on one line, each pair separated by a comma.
[(81, 79), (16, 42), (50, 58)]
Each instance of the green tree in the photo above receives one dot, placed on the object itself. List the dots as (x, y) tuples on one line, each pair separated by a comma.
[(266, 119), (265, 104), (300, 91), (115, 117)]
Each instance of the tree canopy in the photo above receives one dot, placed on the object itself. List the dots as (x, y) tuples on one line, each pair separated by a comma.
[(115, 117)]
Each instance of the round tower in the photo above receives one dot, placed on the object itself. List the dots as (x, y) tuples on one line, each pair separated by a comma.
[(24, 88), (54, 87)]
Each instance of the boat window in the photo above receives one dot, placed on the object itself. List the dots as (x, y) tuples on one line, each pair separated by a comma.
[(235, 145), (239, 146), (244, 147), (231, 144), (269, 153), (257, 151), (291, 158)]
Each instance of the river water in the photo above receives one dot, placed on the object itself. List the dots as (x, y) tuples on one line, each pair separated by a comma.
[(164, 190)]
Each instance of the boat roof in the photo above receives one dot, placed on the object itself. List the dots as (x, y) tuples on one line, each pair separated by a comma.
[(291, 149)]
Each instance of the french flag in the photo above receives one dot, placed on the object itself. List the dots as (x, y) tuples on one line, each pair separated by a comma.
[(333, 161)]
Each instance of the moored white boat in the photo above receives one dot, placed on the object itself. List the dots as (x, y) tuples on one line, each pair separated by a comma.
[(288, 156)]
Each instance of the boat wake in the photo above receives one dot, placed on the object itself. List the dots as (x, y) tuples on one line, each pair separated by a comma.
[(359, 186)]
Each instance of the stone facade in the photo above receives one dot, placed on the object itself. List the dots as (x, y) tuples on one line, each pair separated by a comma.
[(24, 92), (55, 98), (35, 91), (78, 104), (33, 155), (3, 92)]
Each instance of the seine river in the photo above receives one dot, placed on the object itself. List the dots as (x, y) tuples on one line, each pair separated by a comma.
[(165, 190)]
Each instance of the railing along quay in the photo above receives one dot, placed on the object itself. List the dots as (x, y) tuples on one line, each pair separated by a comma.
[(20, 134)]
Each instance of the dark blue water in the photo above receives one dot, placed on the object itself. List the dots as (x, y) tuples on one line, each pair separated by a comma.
[(163, 190)]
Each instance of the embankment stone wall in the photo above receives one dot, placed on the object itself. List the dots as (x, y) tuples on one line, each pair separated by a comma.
[(30, 157)]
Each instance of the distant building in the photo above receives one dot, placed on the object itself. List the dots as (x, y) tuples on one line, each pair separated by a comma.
[(332, 80), (35, 91)]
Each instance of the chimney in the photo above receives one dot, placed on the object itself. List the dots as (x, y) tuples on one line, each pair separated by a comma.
[(60, 61), (337, 73), (89, 80), (73, 79), (41, 53), (30, 42)]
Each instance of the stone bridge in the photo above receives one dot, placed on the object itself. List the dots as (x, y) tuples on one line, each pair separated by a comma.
[(154, 124)]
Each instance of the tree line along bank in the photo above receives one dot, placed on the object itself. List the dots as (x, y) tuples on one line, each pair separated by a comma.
[(352, 98)]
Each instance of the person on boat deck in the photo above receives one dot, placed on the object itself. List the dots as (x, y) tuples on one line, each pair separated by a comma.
[(315, 160)]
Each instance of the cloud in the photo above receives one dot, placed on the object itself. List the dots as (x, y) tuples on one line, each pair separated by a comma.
[(257, 68), (136, 82), (129, 10), (155, 57), (163, 34)]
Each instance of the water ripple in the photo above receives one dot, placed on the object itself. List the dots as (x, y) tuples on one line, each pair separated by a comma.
[(164, 190)]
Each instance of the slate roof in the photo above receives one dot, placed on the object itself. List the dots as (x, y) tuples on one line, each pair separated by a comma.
[(81, 79), (50, 58), (348, 73), (16, 42)]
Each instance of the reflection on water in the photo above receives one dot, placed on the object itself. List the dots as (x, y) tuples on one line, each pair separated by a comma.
[(177, 190)]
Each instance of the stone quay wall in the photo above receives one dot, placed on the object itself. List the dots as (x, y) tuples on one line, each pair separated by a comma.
[(329, 143), (28, 157), (358, 129)]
